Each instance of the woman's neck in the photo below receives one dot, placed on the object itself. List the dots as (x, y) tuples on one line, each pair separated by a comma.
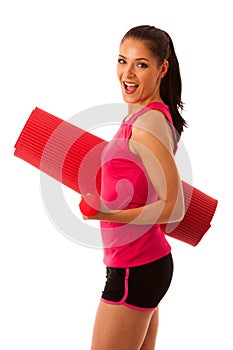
[(134, 108)]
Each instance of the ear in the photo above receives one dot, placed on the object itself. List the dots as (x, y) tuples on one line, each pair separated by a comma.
[(164, 68)]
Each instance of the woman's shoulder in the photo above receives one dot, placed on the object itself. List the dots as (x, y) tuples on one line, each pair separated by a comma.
[(154, 122)]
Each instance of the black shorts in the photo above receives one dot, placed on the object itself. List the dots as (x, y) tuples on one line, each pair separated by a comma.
[(140, 287)]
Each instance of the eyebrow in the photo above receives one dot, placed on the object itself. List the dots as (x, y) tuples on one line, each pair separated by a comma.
[(137, 59)]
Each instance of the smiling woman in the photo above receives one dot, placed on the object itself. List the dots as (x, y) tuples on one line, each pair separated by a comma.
[(141, 189), (136, 66)]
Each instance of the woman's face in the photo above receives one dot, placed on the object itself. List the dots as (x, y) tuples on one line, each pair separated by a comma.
[(139, 73)]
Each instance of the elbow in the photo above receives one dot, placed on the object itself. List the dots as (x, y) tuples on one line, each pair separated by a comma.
[(180, 212), (174, 207), (176, 211), (182, 209)]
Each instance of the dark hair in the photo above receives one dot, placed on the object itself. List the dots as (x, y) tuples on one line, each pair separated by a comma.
[(161, 46)]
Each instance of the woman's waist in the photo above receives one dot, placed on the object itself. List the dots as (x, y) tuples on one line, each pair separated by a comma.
[(115, 234)]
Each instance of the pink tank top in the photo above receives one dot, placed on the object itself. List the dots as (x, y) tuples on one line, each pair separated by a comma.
[(125, 185)]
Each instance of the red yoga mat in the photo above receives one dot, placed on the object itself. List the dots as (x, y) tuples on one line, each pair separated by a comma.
[(73, 156)]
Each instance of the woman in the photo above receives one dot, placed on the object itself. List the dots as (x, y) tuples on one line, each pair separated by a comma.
[(141, 188)]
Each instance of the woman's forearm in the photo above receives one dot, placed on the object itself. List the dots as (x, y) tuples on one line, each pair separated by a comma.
[(157, 212)]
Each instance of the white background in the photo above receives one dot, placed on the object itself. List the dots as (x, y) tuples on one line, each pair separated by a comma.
[(61, 57)]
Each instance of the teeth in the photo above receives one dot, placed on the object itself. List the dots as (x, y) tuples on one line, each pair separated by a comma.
[(130, 84)]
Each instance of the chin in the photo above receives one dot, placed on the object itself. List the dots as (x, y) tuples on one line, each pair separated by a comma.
[(130, 99)]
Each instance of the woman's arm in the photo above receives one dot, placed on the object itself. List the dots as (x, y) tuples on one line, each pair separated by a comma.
[(152, 141)]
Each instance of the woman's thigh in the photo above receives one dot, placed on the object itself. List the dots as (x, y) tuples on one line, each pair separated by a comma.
[(150, 339), (118, 327)]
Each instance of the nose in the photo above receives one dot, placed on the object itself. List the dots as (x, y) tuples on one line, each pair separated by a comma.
[(129, 71)]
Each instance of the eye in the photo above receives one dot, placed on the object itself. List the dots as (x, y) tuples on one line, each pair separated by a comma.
[(121, 61), (142, 65)]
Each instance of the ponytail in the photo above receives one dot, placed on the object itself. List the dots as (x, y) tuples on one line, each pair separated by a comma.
[(171, 89), (161, 45)]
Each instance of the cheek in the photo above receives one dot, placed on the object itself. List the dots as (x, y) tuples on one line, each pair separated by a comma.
[(119, 71), (148, 81)]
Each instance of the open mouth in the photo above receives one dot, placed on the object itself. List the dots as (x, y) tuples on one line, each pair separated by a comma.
[(130, 87)]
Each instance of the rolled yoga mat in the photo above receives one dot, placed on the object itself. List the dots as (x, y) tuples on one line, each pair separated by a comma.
[(73, 157)]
